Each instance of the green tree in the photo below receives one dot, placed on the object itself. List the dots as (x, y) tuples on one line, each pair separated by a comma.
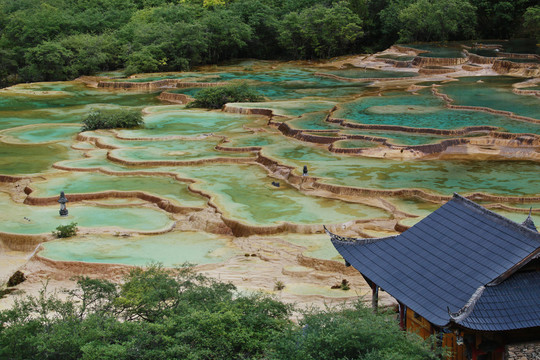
[(165, 38), (225, 34), (349, 333), (179, 314), (36, 21), (154, 314), (47, 61), (320, 31), (429, 20), (92, 53), (389, 18), (500, 18), (263, 22), (96, 17), (532, 21)]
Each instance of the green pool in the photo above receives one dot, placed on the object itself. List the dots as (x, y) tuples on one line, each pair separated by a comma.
[(260, 203), (44, 219), (172, 249), (39, 123), (80, 183), (427, 111)]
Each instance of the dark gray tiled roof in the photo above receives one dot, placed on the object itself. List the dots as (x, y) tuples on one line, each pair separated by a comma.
[(513, 304), (440, 262)]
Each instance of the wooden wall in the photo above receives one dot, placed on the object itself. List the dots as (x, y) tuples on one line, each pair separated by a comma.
[(417, 324)]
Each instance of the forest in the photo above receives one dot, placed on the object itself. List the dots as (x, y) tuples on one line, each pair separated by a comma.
[(45, 40)]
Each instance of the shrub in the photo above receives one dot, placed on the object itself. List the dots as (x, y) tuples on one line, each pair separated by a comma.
[(349, 332), (154, 314), (216, 97), (279, 285), (64, 231), (98, 119), (163, 314)]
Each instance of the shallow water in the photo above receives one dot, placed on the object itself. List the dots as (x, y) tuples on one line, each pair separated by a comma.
[(38, 132), (402, 138), (189, 123), (493, 92), (31, 159), (172, 249), (291, 108), (316, 245), (76, 95), (78, 183), (427, 111), (44, 219), (260, 203), (356, 73), (423, 209), (41, 133), (504, 177), (172, 150), (446, 50), (396, 57)]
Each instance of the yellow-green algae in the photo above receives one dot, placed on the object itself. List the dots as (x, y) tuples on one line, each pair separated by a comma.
[(244, 192), (26, 219), (292, 108), (261, 203), (171, 249), (42, 133), (177, 121), (21, 159), (316, 245), (504, 177), (168, 188), (427, 111)]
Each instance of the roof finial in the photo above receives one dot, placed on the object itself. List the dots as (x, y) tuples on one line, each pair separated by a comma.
[(529, 223), (467, 309)]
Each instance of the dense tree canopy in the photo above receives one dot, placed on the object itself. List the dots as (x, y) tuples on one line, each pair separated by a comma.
[(429, 20), (320, 31), (500, 19), (532, 21), (62, 39), (160, 314)]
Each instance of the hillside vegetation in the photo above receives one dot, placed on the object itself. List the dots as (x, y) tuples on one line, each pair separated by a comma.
[(159, 314), (44, 40)]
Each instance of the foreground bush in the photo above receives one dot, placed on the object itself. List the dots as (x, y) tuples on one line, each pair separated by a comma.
[(350, 332), (64, 231), (98, 119), (216, 97), (159, 314)]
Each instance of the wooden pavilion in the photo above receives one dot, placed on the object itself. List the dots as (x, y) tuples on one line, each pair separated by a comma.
[(464, 274)]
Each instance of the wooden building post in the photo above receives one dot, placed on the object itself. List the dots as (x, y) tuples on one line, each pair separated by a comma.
[(375, 297)]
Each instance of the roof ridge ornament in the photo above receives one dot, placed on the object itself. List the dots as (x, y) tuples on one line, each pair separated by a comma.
[(468, 308), (529, 223), (335, 237), (524, 229)]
